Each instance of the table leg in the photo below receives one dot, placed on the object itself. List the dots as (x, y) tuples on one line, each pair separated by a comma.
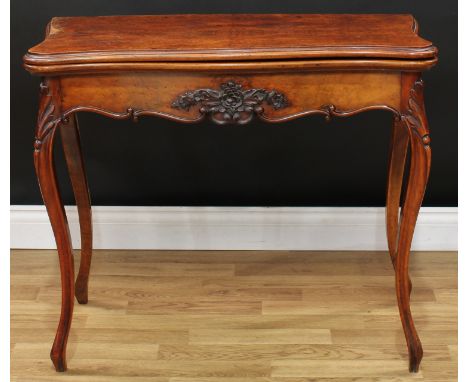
[(416, 123), (396, 169), (72, 148), (47, 124)]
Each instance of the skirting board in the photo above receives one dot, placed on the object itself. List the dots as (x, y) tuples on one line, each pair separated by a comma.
[(236, 228)]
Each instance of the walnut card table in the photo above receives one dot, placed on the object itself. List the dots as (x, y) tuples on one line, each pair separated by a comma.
[(230, 69)]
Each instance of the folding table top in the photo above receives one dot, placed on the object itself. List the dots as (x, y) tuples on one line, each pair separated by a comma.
[(229, 37)]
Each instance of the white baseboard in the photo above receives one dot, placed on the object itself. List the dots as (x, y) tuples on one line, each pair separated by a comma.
[(239, 228)]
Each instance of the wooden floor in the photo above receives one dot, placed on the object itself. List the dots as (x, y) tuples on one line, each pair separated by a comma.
[(184, 316)]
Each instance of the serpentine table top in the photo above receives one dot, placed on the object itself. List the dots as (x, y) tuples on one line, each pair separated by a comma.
[(108, 42)]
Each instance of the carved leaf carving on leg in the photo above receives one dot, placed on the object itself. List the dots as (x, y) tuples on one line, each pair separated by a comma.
[(47, 120), (416, 116)]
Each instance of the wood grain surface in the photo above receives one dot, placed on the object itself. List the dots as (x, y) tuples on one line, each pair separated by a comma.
[(216, 38), (236, 316), (306, 92), (233, 36)]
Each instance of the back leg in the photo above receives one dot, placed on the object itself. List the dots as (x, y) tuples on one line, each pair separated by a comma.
[(74, 159)]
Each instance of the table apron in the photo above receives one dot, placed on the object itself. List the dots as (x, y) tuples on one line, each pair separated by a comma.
[(342, 92)]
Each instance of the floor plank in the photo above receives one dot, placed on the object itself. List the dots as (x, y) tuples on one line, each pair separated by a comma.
[(235, 316), (260, 336)]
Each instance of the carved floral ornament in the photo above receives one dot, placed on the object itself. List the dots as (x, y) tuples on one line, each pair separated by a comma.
[(230, 104)]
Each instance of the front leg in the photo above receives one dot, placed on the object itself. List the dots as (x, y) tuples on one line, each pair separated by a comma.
[(48, 122), (416, 124)]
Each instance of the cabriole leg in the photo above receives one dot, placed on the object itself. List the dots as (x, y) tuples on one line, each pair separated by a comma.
[(47, 124), (416, 123)]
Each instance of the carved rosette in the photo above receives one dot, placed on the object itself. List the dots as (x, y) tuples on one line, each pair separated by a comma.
[(230, 104), (415, 117)]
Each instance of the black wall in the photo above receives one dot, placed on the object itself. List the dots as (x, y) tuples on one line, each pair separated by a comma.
[(307, 162)]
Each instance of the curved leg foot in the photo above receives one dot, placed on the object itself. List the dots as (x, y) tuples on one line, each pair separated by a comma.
[(72, 148), (416, 124), (44, 164), (396, 169)]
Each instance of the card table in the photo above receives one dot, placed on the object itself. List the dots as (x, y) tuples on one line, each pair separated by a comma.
[(231, 69)]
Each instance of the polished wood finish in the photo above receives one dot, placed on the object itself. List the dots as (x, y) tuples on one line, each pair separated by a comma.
[(74, 158), (215, 41), (231, 69), (240, 66), (307, 92), (396, 168), (235, 316), (228, 37), (48, 120), (418, 132)]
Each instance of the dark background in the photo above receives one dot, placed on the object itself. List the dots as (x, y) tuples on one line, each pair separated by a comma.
[(306, 162)]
